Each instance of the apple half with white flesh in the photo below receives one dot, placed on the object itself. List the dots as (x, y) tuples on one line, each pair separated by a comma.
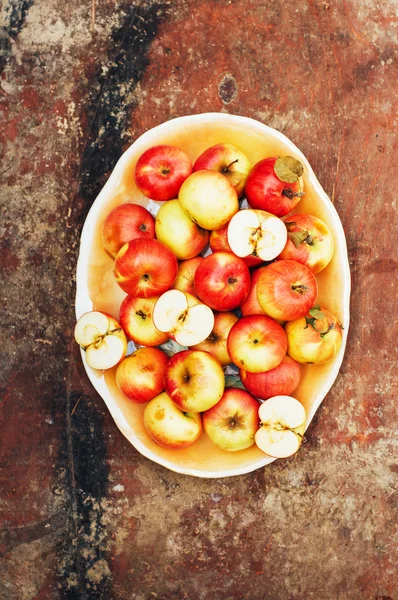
[(256, 233), (102, 338), (282, 426), (187, 320)]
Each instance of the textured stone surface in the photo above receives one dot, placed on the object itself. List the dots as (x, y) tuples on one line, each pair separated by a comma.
[(82, 514)]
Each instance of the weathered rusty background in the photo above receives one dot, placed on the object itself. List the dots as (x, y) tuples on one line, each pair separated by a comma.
[(83, 515)]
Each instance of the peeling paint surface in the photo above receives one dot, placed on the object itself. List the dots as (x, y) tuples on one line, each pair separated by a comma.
[(82, 514)]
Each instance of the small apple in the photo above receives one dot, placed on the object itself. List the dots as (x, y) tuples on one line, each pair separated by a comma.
[(232, 423), (216, 342), (280, 381), (256, 233), (209, 199), (282, 426), (136, 318), (102, 338), (161, 170), (194, 380), (286, 290), (168, 425), (274, 185), (145, 268), (227, 160), (315, 338), (140, 375), (251, 305), (222, 281), (186, 320), (309, 242), (257, 343), (219, 241), (178, 232), (186, 274), (124, 223)]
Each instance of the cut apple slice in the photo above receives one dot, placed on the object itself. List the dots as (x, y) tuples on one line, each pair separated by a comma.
[(183, 317), (282, 425), (256, 233), (102, 338)]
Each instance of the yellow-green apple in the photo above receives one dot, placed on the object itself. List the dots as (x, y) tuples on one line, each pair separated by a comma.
[(124, 223), (209, 199), (168, 425), (233, 422), (136, 318), (186, 274), (256, 233), (274, 185), (251, 305), (257, 343), (315, 338), (219, 242), (194, 380), (185, 318), (102, 338), (145, 268), (282, 426), (177, 230), (140, 375), (280, 381), (309, 242), (222, 281), (161, 170), (216, 342), (228, 160), (286, 290)]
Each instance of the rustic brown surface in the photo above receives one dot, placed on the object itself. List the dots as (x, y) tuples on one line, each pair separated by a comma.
[(83, 515)]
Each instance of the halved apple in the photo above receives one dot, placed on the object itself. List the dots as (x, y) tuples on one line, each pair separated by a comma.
[(256, 233), (102, 338), (282, 426), (187, 320)]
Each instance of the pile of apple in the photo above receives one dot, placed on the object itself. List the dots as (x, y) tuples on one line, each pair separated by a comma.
[(218, 283)]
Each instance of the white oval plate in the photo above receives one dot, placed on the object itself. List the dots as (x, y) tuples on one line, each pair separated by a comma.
[(97, 290)]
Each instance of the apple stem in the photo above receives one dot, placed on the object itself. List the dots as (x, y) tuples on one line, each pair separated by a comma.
[(323, 333), (300, 288), (225, 169), (139, 313), (288, 192)]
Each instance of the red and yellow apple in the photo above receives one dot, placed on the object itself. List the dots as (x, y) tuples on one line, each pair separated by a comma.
[(194, 380), (282, 426), (186, 274), (140, 375), (161, 170), (124, 223), (145, 268), (102, 338), (251, 305), (178, 232), (227, 160), (136, 318), (280, 381), (216, 342), (233, 422), (168, 425)]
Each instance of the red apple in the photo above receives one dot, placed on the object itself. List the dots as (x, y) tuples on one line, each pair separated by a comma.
[(178, 232), (251, 305), (310, 242), (286, 290), (124, 223), (280, 381), (315, 338), (186, 275), (228, 160), (273, 185), (257, 343), (140, 376), (216, 342), (194, 380), (145, 268), (219, 241), (161, 171), (168, 425), (136, 318), (222, 281), (233, 422)]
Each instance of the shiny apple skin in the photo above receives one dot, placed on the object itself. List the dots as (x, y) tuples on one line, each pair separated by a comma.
[(161, 171), (186, 275), (286, 290), (251, 305), (216, 342), (280, 381), (222, 281), (140, 376), (309, 345), (145, 268), (177, 231), (124, 223), (264, 189), (227, 160), (136, 319)]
